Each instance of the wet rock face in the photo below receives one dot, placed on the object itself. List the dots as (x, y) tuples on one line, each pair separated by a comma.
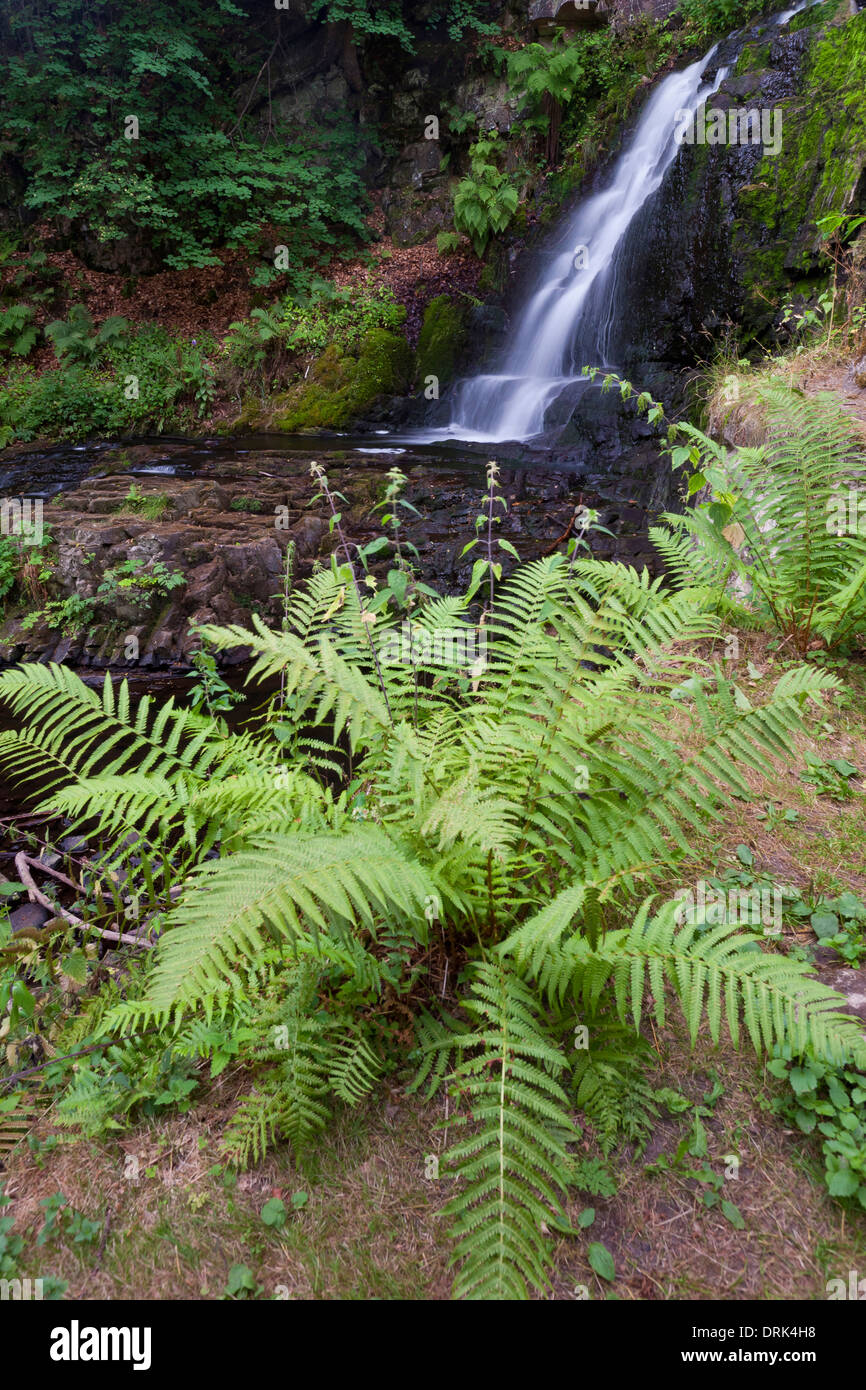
[(225, 528), (731, 234)]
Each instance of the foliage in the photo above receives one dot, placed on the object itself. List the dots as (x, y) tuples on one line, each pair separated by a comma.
[(139, 581), (198, 171), (548, 77), (69, 615), (340, 316), (504, 812), (486, 200), (779, 539), (138, 503), (830, 1101), (513, 1160), (266, 347), (10, 557), (838, 922), (211, 692), (831, 778), (76, 339), (18, 331), (388, 19), (148, 379), (709, 17)]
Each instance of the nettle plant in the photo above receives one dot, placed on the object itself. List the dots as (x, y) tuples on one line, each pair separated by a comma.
[(422, 866)]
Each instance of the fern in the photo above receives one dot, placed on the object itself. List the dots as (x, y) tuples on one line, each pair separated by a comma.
[(355, 1070), (513, 1164), (778, 528)]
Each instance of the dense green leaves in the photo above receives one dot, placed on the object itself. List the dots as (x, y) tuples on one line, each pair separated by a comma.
[(504, 797), (192, 174)]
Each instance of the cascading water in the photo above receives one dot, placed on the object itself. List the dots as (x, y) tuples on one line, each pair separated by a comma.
[(788, 15), (569, 320)]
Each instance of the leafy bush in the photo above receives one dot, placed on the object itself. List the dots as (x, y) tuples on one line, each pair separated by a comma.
[(302, 325), (138, 503), (340, 316), (137, 581), (830, 1101), (782, 536), (9, 564), (547, 77), (69, 615), (387, 19)]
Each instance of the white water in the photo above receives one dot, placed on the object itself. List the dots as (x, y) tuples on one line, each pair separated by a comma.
[(788, 15), (569, 320)]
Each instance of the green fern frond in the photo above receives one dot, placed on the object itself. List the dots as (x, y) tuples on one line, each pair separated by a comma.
[(512, 1163), (355, 1069), (294, 886)]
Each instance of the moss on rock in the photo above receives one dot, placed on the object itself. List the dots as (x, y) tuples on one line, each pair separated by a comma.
[(339, 387), (443, 333)]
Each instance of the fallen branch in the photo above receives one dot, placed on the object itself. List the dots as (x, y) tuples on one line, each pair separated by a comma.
[(68, 1057), (35, 894)]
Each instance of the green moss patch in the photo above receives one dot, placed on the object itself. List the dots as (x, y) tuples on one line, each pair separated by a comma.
[(339, 387), (442, 336)]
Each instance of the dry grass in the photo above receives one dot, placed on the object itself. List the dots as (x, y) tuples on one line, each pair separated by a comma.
[(733, 414), (372, 1227)]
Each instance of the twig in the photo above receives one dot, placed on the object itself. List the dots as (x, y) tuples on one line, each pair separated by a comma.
[(67, 1057), (35, 894)]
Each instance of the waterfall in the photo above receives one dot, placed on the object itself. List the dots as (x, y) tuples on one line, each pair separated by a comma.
[(788, 15), (569, 318)]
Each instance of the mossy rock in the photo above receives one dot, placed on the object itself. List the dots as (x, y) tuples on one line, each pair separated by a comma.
[(339, 388), (443, 333), (821, 163)]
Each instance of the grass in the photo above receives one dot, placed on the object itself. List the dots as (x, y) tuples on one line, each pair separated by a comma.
[(818, 363), (152, 506)]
